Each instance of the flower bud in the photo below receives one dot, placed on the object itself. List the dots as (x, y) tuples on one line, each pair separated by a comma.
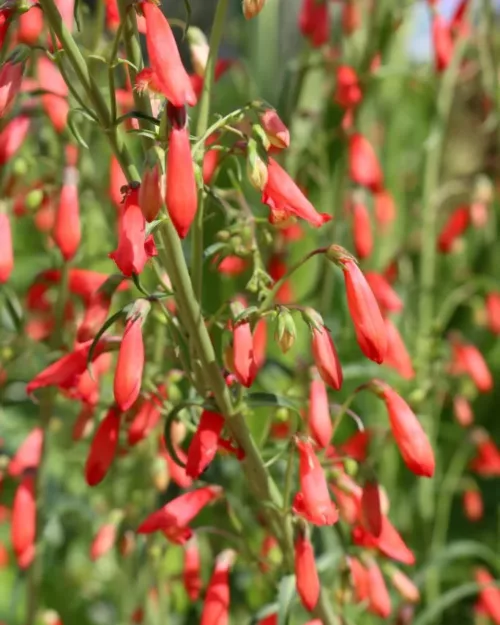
[(276, 131), (285, 333), (251, 8), (256, 167), (150, 191), (199, 49)]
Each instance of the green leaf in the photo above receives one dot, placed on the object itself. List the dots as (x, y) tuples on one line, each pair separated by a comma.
[(187, 4), (111, 284), (151, 227), (447, 600), (74, 128), (136, 115), (286, 594), (270, 400), (11, 311), (213, 249), (457, 550)]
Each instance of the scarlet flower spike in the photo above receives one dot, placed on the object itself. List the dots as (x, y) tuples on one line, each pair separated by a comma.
[(468, 359), (145, 420), (409, 435), (314, 22), (348, 93), (397, 355), (306, 574), (30, 26), (6, 249), (454, 227), (360, 579), (11, 75), (318, 419), (55, 103), (389, 543), (364, 167), (192, 567), (313, 501), (29, 453), (182, 192), (284, 197), (165, 59), (326, 357), (67, 229), (130, 364), (243, 354), (379, 601), (473, 504), (134, 248), (204, 443), (12, 137), (103, 448), (103, 541), (216, 605), (178, 513), (23, 524), (386, 296), (371, 510), (365, 313), (489, 594), (361, 230)]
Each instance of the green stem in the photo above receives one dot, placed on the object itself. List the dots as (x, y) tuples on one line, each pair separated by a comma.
[(272, 293), (201, 127), (134, 54)]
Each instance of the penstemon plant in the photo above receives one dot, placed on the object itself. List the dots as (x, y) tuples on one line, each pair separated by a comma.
[(237, 434)]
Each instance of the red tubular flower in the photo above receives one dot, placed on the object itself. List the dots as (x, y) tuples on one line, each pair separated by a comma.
[(386, 296), (30, 26), (468, 359), (385, 209), (165, 59), (216, 605), (178, 513), (67, 230), (243, 356), (442, 42), (314, 22), (397, 355), (348, 92), (462, 411), (365, 313), (12, 137), (356, 446), (360, 579), (493, 311), (103, 448), (455, 226), (150, 192), (371, 512), (313, 501), (29, 453), (410, 438), (276, 131), (203, 446), (306, 574), (6, 249), (81, 426), (364, 168), (117, 180), (389, 543), (95, 315), (11, 75), (318, 419), (23, 524), (378, 595), (326, 358), (284, 197), (192, 567), (259, 344), (177, 473), (134, 248), (473, 504), (182, 192), (55, 103), (231, 265), (103, 541), (145, 420), (489, 595), (405, 586), (272, 619), (130, 365), (210, 160), (361, 230), (487, 460)]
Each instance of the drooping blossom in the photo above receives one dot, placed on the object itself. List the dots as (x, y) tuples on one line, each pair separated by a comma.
[(364, 167), (6, 249), (11, 75), (348, 93), (455, 226), (130, 364), (203, 446), (28, 454), (361, 229), (318, 416), (23, 523), (165, 59), (493, 311), (215, 609), (276, 131), (314, 22), (175, 516), (306, 574), (103, 541), (67, 228), (386, 296), (385, 209), (379, 601), (489, 594), (182, 192), (389, 543), (408, 433), (467, 359), (326, 357), (284, 197), (313, 501), (134, 247), (405, 586), (191, 573), (397, 356), (462, 411), (371, 509), (243, 354), (12, 137), (55, 102), (30, 26), (103, 448), (473, 504)]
